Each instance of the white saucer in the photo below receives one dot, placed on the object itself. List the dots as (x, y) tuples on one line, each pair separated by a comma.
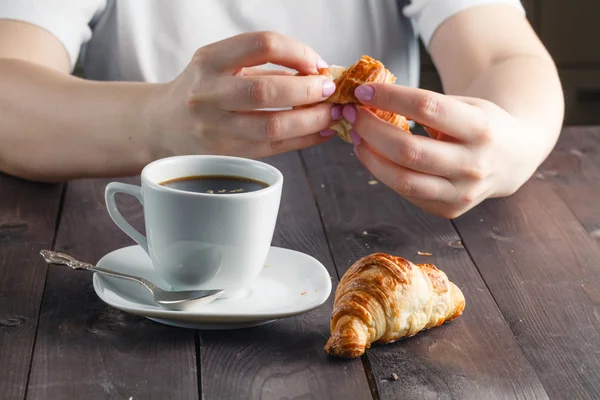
[(291, 283)]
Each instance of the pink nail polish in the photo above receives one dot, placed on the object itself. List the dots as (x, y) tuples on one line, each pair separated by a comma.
[(364, 93), (327, 132), (356, 139), (328, 88), (349, 112), (336, 112), (321, 63)]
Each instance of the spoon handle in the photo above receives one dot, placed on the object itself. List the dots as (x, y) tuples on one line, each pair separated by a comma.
[(53, 257)]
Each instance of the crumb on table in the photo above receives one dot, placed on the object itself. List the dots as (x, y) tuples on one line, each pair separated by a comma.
[(422, 253), (373, 182), (302, 293)]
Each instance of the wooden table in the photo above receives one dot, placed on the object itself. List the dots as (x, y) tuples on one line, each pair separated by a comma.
[(529, 267)]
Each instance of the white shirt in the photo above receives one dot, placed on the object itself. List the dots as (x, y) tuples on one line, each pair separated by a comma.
[(153, 40)]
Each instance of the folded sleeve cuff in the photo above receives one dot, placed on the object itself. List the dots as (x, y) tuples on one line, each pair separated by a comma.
[(70, 24)]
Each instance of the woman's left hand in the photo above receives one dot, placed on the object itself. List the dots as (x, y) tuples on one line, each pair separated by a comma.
[(476, 149)]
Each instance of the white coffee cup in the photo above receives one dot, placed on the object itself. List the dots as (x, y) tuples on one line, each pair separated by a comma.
[(203, 240)]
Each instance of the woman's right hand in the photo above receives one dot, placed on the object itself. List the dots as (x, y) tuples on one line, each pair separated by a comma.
[(216, 105)]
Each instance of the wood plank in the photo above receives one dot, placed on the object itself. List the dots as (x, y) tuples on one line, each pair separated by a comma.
[(475, 356), (88, 350), (544, 272), (285, 359), (581, 87), (28, 214), (532, 12), (568, 30), (573, 170)]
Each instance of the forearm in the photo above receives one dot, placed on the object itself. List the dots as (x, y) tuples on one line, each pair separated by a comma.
[(528, 88), (56, 127)]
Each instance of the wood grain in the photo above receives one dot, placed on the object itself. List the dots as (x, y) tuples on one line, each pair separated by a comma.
[(88, 350), (573, 170), (473, 357), (28, 214), (285, 359), (543, 270)]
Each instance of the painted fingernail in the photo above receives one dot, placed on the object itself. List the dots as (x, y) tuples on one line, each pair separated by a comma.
[(349, 112), (336, 112), (364, 93), (328, 88), (327, 132), (321, 63), (355, 137)]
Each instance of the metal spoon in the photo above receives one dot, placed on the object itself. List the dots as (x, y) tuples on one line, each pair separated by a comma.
[(176, 300)]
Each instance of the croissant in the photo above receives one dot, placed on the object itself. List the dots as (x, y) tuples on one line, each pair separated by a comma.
[(383, 298), (365, 70)]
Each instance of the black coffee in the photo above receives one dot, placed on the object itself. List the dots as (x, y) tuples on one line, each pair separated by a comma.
[(215, 184)]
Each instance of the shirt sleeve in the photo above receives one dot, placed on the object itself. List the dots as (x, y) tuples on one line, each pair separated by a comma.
[(428, 15), (68, 20)]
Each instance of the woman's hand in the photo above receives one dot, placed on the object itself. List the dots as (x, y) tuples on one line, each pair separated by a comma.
[(476, 149), (215, 105)]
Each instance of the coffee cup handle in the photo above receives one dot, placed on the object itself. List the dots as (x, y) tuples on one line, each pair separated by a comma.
[(109, 195)]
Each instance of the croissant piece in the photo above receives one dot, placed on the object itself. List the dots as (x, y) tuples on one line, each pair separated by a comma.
[(365, 70), (383, 298), (347, 80)]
